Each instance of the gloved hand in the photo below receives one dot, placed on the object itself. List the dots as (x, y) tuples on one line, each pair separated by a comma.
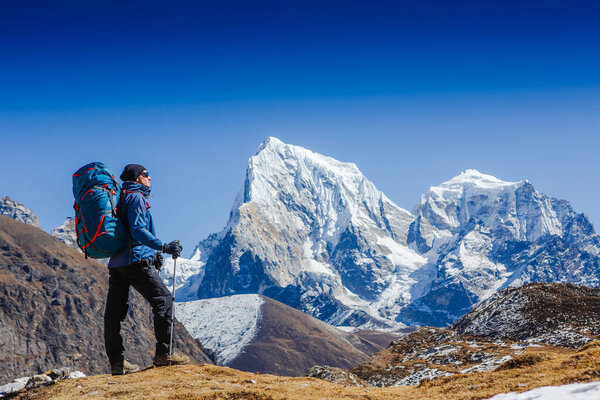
[(173, 248), (158, 260)]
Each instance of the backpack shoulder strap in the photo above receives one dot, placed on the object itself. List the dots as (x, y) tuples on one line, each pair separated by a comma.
[(122, 214)]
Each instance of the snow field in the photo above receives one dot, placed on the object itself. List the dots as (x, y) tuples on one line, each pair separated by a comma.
[(574, 391), (225, 325)]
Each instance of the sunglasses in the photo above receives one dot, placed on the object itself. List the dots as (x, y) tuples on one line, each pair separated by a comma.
[(145, 174)]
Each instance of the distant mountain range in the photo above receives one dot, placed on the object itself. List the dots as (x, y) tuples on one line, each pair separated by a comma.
[(317, 235)]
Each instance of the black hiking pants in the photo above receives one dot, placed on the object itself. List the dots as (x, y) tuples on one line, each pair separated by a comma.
[(145, 279)]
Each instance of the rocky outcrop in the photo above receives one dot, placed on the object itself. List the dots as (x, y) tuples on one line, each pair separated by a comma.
[(66, 233), (515, 325), (36, 381), (430, 353), (52, 306), (556, 314), (15, 210), (336, 375)]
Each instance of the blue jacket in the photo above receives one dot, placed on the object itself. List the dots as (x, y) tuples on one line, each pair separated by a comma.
[(134, 212)]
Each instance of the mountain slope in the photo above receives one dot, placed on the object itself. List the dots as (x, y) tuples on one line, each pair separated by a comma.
[(52, 306), (529, 319), (211, 382), (255, 333), (552, 313)]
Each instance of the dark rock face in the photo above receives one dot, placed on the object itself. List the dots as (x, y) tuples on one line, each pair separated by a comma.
[(222, 278), (360, 278), (52, 306), (440, 306)]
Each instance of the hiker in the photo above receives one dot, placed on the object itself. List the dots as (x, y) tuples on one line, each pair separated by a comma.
[(136, 265)]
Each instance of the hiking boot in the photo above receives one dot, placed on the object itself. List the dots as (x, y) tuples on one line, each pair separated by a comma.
[(122, 368), (176, 359)]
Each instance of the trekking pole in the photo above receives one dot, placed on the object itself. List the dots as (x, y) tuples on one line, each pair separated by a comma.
[(173, 318)]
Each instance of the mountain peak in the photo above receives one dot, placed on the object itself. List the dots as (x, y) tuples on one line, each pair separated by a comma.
[(15, 210), (273, 147), (472, 177), (270, 142)]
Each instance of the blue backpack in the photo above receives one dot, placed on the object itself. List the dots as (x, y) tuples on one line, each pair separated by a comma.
[(100, 233)]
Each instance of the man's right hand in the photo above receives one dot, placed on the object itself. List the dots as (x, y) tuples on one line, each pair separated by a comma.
[(173, 248)]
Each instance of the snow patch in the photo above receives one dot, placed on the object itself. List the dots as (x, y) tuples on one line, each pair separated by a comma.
[(225, 325), (574, 391)]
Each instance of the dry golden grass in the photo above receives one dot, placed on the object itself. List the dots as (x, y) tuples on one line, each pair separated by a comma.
[(195, 382)]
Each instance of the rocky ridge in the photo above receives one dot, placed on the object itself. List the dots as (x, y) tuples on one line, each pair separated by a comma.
[(516, 325), (15, 210), (563, 315)]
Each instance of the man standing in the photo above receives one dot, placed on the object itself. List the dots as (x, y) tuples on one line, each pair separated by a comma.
[(133, 266)]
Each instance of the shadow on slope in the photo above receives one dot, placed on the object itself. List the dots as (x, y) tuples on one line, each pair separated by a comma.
[(289, 342)]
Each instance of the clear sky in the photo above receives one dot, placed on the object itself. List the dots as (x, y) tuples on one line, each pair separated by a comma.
[(413, 92)]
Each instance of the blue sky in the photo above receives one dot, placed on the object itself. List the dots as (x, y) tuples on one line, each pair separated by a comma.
[(413, 92)]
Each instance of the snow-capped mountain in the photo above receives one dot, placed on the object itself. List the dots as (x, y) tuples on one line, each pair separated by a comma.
[(16, 210), (66, 233), (314, 233), (486, 234)]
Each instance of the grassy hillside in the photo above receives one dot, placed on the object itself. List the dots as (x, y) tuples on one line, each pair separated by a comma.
[(531, 369)]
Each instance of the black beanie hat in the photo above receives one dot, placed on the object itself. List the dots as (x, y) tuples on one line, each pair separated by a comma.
[(131, 172)]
